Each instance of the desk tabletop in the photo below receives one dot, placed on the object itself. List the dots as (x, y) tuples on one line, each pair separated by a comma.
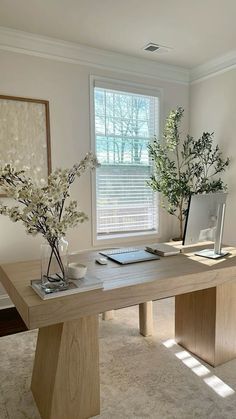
[(123, 285)]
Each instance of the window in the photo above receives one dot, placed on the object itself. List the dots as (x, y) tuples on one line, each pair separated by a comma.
[(125, 122)]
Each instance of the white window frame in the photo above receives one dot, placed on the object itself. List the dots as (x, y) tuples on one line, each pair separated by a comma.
[(142, 89)]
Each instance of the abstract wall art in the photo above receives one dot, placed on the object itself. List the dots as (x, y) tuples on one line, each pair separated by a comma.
[(25, 136)]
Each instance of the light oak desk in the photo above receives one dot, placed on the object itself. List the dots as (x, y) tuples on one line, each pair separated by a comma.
[(65, 381)]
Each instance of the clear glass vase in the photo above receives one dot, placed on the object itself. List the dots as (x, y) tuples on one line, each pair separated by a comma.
[(54, 266)]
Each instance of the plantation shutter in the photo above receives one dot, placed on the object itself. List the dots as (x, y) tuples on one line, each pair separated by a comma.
[(125, 122)]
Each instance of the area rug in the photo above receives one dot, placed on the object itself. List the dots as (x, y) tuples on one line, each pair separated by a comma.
[(140, 377)]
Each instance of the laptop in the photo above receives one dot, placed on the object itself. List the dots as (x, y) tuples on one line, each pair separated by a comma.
[(132, 257)]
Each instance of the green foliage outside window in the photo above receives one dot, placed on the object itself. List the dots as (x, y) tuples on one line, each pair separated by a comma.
[(184, 167)]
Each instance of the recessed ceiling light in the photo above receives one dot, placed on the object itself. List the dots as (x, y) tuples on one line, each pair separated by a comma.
[(160, 49)]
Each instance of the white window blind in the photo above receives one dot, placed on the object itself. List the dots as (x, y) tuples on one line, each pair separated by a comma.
[(125, 122)]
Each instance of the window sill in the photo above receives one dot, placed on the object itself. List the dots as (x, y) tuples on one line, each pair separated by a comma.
[(126, 238)]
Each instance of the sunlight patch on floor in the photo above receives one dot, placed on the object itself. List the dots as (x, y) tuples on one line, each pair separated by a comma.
[(219, 386), (214, 382), (169, 343)]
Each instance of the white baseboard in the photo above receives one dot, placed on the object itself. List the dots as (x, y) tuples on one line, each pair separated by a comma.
[(5, 301)]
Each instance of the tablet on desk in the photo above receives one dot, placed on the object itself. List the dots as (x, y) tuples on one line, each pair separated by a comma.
[(132, 257)]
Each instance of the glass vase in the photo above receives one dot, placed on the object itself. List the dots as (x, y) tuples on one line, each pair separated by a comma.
[(54, 266)]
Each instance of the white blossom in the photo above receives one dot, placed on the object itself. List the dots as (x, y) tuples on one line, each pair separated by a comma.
[(42, 209)]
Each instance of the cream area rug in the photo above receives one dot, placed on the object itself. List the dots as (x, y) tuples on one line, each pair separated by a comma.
[(140, 377)]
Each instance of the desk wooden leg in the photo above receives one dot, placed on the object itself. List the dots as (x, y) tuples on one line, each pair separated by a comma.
[(108, 315), (205, 323), (146, 318), (65, 381)]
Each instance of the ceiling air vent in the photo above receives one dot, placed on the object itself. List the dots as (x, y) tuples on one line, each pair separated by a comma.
[(151, 47)]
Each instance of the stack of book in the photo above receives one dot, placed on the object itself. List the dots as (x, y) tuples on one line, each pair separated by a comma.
[(162, 249), (88, 283)]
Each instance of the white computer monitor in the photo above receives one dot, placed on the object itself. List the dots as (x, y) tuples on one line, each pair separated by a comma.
[(205, 222)]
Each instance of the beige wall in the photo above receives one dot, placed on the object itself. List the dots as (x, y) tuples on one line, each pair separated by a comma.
[(66, 86), (212, 108)]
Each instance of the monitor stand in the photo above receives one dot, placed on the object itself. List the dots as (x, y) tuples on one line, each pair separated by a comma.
[(217, 252), (211, 254)]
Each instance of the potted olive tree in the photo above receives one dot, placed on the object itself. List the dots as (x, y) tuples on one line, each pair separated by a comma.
[(184, 167)]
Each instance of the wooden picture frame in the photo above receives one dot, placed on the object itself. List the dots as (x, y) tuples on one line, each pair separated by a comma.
[(25, 136)]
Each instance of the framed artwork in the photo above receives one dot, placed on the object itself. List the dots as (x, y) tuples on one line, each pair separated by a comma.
[(25, 136)]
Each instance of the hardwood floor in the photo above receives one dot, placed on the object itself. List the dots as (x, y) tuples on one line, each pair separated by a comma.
[(11, 322)]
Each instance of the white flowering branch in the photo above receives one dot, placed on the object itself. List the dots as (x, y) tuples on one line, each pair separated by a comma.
[(43, 209)]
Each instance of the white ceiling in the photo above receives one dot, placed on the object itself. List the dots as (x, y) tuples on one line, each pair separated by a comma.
[(197, 31)]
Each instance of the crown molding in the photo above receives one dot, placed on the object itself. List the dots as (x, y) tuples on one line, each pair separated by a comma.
[(51, 48), (214, 67)]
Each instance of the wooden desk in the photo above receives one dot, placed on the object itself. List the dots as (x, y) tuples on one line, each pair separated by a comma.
[(65, 381)]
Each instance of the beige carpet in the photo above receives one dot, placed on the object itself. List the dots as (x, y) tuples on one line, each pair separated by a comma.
[(140, 377)]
